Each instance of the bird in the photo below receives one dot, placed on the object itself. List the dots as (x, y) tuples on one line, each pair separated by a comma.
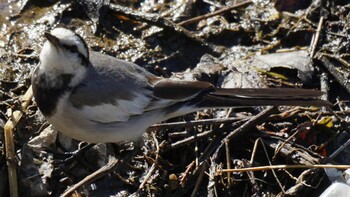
[(97, 98)]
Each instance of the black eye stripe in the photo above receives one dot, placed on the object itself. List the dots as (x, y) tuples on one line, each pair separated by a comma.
[(71, 48), (84, 61), (74, 49), (84, 43)]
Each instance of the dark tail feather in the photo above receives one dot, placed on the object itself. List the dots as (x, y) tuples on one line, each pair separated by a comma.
[(262, 97)]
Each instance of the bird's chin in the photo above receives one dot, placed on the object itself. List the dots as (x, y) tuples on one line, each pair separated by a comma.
[(50, 55)]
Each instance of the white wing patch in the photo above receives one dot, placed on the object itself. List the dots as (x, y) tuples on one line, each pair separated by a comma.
[(106, 113), (135, 106), (161, 103)]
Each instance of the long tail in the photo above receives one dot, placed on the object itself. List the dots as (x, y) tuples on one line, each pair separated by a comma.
[(262, 97)]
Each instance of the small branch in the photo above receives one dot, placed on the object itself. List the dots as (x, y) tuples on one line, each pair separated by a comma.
[(339, 150), (213, 121), (110, 166), (218, 12), (184, 176), (9, 141), (316, 38), (338, 58), (228, 163), (333, 69), (255, 148), (204, 134), (251, 123), (262, 116), (199, 179), (262, 168), (191, 139), (153, 167), (161, 22), (273, 171), (324, 86), (279, 148), (252, 177)]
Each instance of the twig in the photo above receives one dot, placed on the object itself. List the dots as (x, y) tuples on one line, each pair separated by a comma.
[(246, 127), (338, 58), (284, 143), (110, 166), (184, 175), (191, 139), (228, 163), (316, 38), (203, 159), (179, 134), (213, 121), (212, 181), (153, 167), (339, 150), (251, 123), (218, 12), (273, 171), (255, 148), (199, 179), (333, 69), (204, 134), (161, 22), (251, 176), (9, 142), (240, 130), (211, 147), (309, 178), (324, 86), (296, 153), (262, 168)]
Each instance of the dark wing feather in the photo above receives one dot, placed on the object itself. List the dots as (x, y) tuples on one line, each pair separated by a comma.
[(180, 90), (262, 97), (283, 93)]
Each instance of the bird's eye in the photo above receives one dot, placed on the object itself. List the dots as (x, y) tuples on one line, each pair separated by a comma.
[(71, 48)]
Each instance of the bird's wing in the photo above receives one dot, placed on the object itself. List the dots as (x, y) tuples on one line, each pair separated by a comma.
[(113, 90)]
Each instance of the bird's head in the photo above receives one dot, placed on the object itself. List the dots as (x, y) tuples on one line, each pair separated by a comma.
[(64, 53)]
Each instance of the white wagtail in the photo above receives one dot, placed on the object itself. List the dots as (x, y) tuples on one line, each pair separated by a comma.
[(97, 98)]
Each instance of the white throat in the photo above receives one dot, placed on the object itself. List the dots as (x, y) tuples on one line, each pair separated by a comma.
[(55, 62)]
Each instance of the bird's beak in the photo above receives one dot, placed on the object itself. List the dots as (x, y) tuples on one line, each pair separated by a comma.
[(52, 39)]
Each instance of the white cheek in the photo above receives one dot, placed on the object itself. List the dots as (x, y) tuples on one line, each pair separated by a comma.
[(54, 62), (49, 58)]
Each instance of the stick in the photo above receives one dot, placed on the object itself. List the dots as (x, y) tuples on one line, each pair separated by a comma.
[(9, 142), (317, 36), (110, 166), (261, 168), (159, 21), (218, 12), (193, 123), (251, 123)]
